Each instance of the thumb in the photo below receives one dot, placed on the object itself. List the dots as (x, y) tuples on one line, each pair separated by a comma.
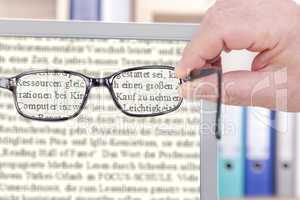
[(240, 88)]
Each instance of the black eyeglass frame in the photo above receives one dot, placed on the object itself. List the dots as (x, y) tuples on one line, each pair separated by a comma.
[(11, 84)]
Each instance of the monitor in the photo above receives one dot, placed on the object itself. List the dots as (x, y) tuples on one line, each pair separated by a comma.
[(102, 154)]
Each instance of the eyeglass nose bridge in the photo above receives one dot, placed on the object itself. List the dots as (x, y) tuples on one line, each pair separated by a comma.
[(98, 82)]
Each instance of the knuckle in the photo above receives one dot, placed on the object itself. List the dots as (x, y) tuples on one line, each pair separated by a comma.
[(212, 17), (230, 95)]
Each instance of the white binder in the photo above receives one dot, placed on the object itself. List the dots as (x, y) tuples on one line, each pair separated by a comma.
[(297, 155), (285, 159)]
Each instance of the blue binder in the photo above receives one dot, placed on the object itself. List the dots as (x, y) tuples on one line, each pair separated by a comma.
[(260, 153), (231, 159), (85, 10)]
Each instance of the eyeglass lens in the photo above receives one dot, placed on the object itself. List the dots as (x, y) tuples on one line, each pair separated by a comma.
[(50, 95), (147, 91)]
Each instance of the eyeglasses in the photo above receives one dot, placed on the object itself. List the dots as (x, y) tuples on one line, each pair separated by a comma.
[(54, 95)]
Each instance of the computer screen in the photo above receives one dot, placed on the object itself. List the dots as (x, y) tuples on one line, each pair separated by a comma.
[(102, 154)]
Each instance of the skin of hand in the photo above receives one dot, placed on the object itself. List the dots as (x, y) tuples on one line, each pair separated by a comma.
[(271, 28)]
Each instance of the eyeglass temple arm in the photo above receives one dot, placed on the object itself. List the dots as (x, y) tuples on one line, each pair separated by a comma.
[(201, 73), (218, 115), (4, 83), (206, 72)]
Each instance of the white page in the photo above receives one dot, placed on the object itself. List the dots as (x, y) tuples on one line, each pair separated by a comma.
[(101, 154)]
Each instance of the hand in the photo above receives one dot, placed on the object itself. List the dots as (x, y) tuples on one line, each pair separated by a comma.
[(269, 27)]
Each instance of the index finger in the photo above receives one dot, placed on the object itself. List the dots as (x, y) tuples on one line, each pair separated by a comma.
[(206, 44)]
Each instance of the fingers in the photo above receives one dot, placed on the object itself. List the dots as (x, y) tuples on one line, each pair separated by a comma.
[(263, 59), (204, 88), (241, 88), (206, 45)]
